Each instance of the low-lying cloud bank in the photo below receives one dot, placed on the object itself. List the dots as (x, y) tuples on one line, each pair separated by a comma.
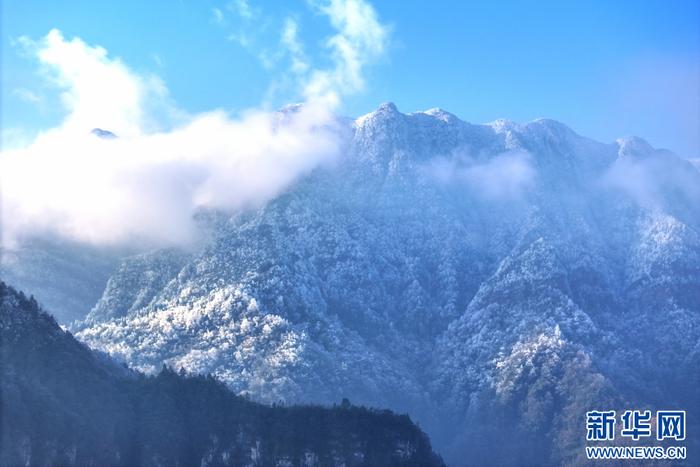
[(653, 179), (504, 177), (148, 182)]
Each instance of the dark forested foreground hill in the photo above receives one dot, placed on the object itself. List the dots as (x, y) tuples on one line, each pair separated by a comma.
[(62, 404)]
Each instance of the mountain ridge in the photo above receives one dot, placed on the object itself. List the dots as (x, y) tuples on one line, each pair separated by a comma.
[(468, 274)]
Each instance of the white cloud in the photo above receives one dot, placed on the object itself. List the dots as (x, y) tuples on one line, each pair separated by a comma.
[(360, 39), (651, 178), (14, 137), (98, 91), (27, 95), (218, 15), (242, 8), (148, 182), (149, 186), (290, 41), (239, 38), (505, 176), (158, 60)]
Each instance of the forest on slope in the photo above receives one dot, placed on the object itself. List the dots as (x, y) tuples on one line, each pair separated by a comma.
[(63, 404)]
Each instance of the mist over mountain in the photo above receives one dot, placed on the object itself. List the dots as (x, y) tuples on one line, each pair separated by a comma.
[(494, 281), (66, 277)]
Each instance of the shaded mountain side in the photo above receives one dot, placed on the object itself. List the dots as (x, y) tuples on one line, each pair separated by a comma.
[(149, 273), (62, 404), (68, 278)]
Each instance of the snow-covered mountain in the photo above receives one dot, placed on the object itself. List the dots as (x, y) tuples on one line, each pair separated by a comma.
[(476, 276)]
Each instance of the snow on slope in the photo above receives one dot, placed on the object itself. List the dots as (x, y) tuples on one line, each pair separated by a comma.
[(464, 273)]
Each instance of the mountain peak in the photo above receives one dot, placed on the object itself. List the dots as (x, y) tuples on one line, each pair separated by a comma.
[(387, 107), (386, 112), (104, 134), (551, 124), (440, 114), (633, 146), (502, 125), (291, 108)]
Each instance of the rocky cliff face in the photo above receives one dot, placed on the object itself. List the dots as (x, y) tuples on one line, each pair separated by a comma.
[(477, 276)]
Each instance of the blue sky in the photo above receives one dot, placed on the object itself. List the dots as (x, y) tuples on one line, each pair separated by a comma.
[(607, 69)]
